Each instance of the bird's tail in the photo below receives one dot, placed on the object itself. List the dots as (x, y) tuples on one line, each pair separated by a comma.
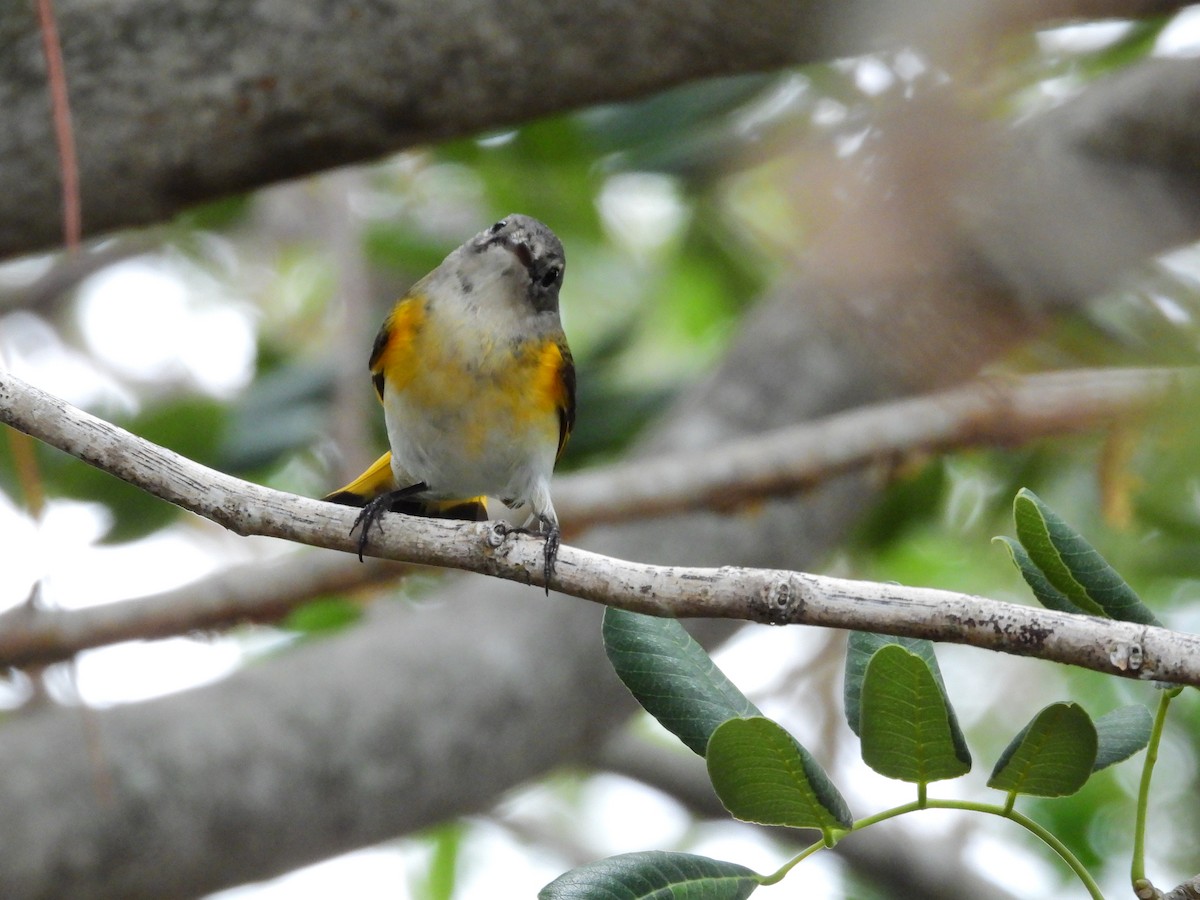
[(378, 480)]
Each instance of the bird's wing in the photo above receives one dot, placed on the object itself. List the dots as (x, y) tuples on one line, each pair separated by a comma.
[(392, 359)]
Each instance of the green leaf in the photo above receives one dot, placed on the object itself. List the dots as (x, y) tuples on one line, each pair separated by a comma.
[(908, 728), (1134, 46), (214, 215), (911, 501), (666, 116), (1053, 756), (285, 409), (325, 614), (654, 875), (1072, 565), (863, 645), (1033, 532), (1122, 733), (672, 676), (763, 775), (1046, 593)]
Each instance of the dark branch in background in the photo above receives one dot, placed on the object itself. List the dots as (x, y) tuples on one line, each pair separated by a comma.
[(214, 115), (256, 593), (766, 596), (175, 103), (999, 410), (50, 294)]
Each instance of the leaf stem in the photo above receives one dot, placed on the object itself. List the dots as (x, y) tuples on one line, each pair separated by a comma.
[(1061, 849), (1138, 865), (777, 876), (1043, 834), (1004, 812)]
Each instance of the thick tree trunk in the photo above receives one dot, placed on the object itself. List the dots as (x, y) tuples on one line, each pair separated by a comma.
[(176, 102)]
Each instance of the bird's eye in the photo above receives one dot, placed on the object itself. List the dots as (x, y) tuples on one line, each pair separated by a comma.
[(498, 226), (551, 276)]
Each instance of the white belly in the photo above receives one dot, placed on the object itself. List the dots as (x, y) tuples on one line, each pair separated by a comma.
[(469, 450)]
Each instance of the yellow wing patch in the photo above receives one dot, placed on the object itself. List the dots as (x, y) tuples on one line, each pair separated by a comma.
[(393, 362), (554, 387)]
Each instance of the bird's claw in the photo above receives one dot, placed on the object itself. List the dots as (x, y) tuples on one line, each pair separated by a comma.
[(553, 538), (374, 509), (550, 552), (368, 516)]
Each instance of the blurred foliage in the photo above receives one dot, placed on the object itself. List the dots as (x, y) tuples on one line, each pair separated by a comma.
[(215, 215), (643, 317), (190, 426), (280, 412), (322, 616), (1134, 42)]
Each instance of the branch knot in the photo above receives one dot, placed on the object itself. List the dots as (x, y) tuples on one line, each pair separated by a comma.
[(778, 601)]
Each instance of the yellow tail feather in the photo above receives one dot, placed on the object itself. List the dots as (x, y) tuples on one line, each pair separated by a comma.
[(378, 480), (366, 487)]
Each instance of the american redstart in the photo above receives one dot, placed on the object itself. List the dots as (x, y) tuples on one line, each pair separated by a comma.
[(477, 386)]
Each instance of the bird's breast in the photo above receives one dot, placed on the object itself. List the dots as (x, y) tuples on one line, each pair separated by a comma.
[(476, 406)]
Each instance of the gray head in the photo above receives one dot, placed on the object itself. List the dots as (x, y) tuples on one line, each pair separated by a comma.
[(536, 248)]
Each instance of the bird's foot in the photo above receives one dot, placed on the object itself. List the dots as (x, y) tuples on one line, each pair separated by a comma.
[(369, 516), (373, 511), (548, 529)]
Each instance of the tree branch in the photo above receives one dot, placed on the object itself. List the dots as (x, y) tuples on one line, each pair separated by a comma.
[(1000, 411), (174, 102), (994, 411), (261, 592), (758, 595)]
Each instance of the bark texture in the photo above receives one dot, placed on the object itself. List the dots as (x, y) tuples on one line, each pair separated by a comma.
[(177, 102)]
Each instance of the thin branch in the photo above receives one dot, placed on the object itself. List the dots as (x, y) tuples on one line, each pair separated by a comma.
[(28, 473), (1188, 890), (49, 292), (760, 595), (262, 592), (781, 461), (1001, 411)]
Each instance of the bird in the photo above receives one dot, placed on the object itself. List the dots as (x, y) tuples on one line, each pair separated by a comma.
[(477, 384)]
